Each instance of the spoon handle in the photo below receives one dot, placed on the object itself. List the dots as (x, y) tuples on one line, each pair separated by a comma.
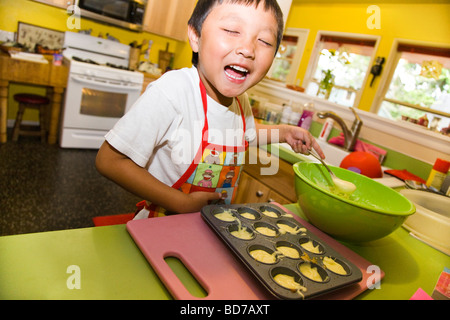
[(312, 153)]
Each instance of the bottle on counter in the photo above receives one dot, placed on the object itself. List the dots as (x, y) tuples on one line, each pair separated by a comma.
[(295, 114), (326, 129), (438, 173), (272, 114), (307, 116), (286, 114), (257, 104)]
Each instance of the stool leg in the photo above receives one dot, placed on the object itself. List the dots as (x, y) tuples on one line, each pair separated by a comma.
[(18, 122), (42, 122)]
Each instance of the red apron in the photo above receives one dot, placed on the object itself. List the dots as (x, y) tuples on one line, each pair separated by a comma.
[(215, 168)]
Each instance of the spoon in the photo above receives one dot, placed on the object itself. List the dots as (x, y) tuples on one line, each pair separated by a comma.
[(344, 186)]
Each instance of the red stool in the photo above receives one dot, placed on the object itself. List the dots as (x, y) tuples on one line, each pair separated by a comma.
[(30, 101)]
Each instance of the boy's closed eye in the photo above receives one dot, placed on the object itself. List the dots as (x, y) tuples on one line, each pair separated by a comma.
[(236, 33), (267, 43), (231, 32)]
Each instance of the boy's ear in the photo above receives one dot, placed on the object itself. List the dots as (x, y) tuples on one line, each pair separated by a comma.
[(193, 39)]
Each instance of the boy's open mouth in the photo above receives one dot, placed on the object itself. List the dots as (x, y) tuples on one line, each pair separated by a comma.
[(236, 72)]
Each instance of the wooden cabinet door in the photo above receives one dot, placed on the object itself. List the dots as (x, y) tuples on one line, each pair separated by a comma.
[(251, 190), (168, 18), (58, 3), (275, 196)]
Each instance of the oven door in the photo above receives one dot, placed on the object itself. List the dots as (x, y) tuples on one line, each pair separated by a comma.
[(92, 108), (97, 103)]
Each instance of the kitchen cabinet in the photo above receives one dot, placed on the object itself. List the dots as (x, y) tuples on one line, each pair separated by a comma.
[(168, 18), (252, 190), (255, 188), (64, 4)]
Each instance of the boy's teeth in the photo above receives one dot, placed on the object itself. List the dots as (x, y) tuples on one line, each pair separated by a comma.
[(239, 68), (235, 77), (236, 72)]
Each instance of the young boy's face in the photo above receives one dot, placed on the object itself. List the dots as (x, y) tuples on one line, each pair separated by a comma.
[(236, 49)]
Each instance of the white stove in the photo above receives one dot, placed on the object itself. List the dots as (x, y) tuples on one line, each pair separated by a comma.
[(100, 89)]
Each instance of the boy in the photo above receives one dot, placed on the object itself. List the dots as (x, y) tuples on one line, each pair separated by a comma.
[(182, 144)]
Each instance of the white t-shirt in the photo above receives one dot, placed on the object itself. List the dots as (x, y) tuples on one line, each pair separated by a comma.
[(163, 130)]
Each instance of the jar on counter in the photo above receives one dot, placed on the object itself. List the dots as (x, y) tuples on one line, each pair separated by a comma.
[(438, 173)]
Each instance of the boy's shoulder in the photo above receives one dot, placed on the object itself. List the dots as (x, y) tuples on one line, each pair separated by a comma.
[(180, 79)]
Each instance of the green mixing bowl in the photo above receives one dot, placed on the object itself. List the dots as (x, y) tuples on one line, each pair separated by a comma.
[(371, 212)]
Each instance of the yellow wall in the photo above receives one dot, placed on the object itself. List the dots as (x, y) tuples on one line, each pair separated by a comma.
[(13, 11), (415, 21)]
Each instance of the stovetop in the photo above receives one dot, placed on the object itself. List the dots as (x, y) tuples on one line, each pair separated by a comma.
[(108, 64), (92, 57), (97, 71)]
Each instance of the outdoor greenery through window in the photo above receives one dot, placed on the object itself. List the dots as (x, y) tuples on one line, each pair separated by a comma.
[(341, 69), (284, 59), (419, 90)]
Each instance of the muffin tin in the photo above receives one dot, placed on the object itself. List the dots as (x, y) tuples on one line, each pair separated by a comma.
[(271, 229)]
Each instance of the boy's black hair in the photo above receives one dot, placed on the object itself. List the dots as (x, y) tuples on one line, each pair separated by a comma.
[(204, 7)]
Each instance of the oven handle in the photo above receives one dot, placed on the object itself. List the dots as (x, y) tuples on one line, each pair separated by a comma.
[(106, 84)]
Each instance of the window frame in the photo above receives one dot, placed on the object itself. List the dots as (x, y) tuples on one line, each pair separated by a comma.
[(315, 55), (302, 35), (389, 71)]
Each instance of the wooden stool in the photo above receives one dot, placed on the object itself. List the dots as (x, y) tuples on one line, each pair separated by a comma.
[(31, 101)]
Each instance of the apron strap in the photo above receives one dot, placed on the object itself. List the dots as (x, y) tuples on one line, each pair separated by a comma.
[(198, 156)]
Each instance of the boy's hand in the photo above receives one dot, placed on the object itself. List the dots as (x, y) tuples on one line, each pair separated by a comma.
[(197, 200), (300, 140)]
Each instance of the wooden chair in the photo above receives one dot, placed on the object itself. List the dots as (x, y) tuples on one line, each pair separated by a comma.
[(30, 101)]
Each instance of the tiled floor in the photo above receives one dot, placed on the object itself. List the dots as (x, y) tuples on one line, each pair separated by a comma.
[(47, 188)]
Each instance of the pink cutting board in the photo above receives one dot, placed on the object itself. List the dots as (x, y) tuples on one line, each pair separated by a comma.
[(223, 276)]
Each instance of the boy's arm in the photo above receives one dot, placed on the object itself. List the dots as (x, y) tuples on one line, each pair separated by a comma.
[(122, 170), (299, 139)]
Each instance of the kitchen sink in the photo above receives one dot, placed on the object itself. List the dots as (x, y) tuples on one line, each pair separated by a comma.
[(431, 222), (334, 155)]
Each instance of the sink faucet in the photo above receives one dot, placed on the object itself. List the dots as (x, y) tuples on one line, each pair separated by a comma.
[(350, 135)]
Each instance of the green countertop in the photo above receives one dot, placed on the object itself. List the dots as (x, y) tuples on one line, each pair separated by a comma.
[(111, 266)]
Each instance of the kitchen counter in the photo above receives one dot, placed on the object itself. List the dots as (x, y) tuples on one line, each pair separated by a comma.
[(111, 266)]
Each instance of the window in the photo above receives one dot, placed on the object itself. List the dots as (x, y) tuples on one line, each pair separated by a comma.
[(339, 67), (418, 87), (287, 61)]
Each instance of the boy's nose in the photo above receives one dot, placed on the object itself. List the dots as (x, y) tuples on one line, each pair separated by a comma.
[(246, 49)]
